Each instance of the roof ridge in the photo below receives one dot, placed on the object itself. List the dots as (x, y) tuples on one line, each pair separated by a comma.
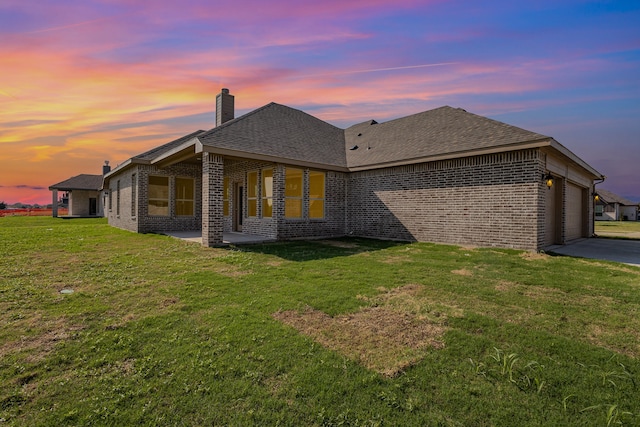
[(257, 110), (236, 120)]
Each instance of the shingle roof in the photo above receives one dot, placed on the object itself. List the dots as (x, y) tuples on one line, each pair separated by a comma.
[(609, 197), (79, 182), (445, 130), (154, 152), (287, 134), (280, 131)]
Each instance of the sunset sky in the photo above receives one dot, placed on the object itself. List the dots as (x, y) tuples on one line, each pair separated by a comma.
[(84, 81)]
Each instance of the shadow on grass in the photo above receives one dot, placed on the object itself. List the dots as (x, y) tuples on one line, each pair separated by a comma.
[(308, 250)]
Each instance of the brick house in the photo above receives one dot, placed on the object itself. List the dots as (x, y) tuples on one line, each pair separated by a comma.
[(443, 175)]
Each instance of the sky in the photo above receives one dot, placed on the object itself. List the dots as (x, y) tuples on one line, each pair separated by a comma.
[(84, 81)]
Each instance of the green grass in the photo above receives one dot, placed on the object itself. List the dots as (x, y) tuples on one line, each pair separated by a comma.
[(617, 227), (163, 332)]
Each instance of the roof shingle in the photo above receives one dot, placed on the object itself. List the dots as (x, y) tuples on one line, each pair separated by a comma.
[(445, 130), (609, 197), (280, 131), (79, 182)]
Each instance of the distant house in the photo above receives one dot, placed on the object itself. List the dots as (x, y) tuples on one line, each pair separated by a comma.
[(611, 207), (443, 175), (82, 194)]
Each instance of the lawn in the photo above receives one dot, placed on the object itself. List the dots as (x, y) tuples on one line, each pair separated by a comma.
[(336, 332), (618, 228)]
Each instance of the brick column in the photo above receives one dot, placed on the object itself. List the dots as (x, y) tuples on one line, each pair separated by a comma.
[(212, 214), (55, 203)]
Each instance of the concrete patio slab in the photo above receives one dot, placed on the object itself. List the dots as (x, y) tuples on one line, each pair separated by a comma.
[(619, 250), (231, 238)]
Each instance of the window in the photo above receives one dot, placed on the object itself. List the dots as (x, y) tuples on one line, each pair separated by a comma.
[(225, 196), (134, 189), (316, 194), (159, 195), (184, 196), (252, 193), (118, 198), (293, 193), (267, 193), (110, 200), (599, 210)]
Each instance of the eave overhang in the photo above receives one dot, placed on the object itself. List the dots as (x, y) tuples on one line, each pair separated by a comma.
[(274, 159)]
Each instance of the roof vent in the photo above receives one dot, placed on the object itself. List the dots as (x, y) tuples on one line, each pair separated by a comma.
[(355, 147)]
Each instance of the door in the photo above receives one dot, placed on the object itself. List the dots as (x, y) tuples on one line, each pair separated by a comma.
[(553, 214), (576, 212), (238, 207), (93, 206)]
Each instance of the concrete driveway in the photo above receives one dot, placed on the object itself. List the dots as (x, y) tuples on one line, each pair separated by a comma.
[(625, 251)]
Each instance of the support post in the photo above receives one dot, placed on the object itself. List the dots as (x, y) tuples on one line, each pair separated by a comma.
[(55, 203), (212, 194)]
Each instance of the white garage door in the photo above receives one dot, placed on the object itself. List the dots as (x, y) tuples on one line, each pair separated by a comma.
[(576, 212)]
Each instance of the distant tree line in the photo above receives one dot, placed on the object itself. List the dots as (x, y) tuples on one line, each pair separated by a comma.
[(4, 205)]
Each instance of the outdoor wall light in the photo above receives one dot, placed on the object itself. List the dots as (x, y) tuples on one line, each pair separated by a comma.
[(596, 197), (548, 180)]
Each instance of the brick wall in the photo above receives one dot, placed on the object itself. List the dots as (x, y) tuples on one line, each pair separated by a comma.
[(277, 226), (489, 200), (333, 223), (236, 171), (134, 211), (125, 219), (211, 199)]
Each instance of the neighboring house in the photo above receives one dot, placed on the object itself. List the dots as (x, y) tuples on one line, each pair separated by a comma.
[(83, 195), (443, 175), (611, 207)]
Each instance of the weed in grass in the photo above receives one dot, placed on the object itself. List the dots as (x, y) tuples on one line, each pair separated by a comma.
[(609, 376), (613, 413), (532, 376), (506, 362)]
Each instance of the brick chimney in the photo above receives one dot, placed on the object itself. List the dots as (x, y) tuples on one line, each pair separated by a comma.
[(106, 168), (224, 107)]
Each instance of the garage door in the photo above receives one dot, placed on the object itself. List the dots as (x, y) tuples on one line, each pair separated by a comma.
[(576, 212)]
